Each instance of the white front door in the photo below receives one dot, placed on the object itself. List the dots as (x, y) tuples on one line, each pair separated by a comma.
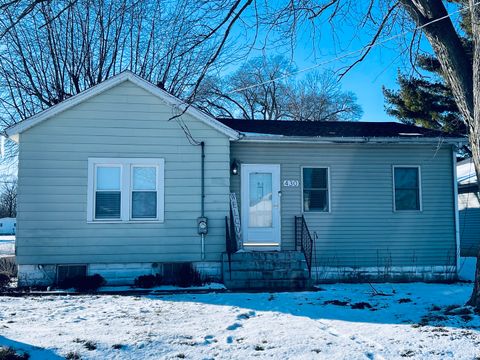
[(260, 206)]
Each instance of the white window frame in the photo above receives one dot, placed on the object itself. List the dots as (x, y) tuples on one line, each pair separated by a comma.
[(328, 189), (157, 171), (419, 168), (126, 188), (94, 190)]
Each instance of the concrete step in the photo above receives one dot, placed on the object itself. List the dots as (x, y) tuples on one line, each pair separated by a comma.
[(272, 270), (265, 256), (265, 265), (267, 275), (269, 285)]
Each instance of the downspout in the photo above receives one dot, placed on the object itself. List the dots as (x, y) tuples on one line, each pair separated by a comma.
[(202, 236), (455, 204), (202, 144)]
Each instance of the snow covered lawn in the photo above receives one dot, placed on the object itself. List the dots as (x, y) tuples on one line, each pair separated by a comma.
[(340, 322)]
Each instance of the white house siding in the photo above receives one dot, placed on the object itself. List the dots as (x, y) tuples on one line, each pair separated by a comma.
[(362, 232), (125, 122)]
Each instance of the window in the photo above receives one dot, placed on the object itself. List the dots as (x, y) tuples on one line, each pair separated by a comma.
[(125, 189), (108, 191), (144, 192), (315, 189), (406, 181), (67, 272)]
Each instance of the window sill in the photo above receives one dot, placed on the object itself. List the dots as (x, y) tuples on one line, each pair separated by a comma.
[(125, 222)]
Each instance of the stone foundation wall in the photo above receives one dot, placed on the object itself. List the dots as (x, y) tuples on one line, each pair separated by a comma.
[(114, 274), (328, 274), (36, 275)]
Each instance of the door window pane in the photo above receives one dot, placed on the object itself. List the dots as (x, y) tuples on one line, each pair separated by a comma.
[(260, 200), (315, 189), (407, 188)]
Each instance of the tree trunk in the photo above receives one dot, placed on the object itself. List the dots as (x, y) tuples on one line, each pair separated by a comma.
[(458, 70), (447, 45), (474, 127)]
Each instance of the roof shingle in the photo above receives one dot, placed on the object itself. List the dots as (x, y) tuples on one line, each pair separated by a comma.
[(332, 128)]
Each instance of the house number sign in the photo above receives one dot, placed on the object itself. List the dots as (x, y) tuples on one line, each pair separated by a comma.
[(291, 183)]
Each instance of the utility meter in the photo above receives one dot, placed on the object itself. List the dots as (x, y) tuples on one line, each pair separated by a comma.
[(202, 225)]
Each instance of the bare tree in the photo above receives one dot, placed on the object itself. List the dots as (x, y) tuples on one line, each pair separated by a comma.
[(319, 97), (281, 21), (250, 93), (53, 49), (8, 198)]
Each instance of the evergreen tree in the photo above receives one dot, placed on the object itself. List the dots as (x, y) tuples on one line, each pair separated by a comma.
[(425, 101)]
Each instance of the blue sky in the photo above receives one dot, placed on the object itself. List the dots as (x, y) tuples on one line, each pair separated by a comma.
[(366, 78), (379, 68)]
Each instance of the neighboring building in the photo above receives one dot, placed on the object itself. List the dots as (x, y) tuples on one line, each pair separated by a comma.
[(469, 209), (8, 226), (118, 188)]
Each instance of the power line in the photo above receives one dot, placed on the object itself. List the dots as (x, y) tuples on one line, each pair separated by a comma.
[(348, 54)]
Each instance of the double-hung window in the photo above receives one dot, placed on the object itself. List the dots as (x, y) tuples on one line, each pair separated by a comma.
[(315, 182), (144, 192), (108, 191), (125, 189), (407, 188)]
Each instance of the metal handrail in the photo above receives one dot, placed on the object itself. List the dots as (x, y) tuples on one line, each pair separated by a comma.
[(304, 240), (230, 241)]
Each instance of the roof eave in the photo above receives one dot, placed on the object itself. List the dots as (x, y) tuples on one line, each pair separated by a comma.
[(249, 137)]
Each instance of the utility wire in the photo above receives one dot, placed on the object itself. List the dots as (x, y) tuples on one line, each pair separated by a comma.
[(354, 52)]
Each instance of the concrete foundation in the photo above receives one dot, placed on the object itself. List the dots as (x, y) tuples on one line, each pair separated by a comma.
[(114, 274)]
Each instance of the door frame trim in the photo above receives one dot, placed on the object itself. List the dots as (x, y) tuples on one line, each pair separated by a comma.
[(243, 183)]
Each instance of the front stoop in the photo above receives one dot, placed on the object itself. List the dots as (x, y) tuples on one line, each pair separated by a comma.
[(266, 270)]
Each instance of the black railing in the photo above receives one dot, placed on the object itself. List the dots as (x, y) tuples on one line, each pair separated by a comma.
[(304, 241), (230, 241)]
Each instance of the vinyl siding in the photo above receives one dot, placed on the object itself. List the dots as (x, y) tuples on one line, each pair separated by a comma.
[(123, 122), (362, 229), (469, 215)]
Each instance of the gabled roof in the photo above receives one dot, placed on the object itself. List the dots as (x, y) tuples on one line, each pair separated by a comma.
[(335, 130), (169, 99)]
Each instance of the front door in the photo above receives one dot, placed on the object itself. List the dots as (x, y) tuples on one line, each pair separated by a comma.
[(260, 206)]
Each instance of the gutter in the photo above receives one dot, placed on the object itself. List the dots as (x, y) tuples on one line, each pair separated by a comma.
[(263, 138)]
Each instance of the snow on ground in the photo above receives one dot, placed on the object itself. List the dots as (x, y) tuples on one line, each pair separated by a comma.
[(328, 324), (7, 245), (466, 270)]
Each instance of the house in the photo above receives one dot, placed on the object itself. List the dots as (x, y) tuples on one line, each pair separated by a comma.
[(130, 181), (469, 209), (8, 226)]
